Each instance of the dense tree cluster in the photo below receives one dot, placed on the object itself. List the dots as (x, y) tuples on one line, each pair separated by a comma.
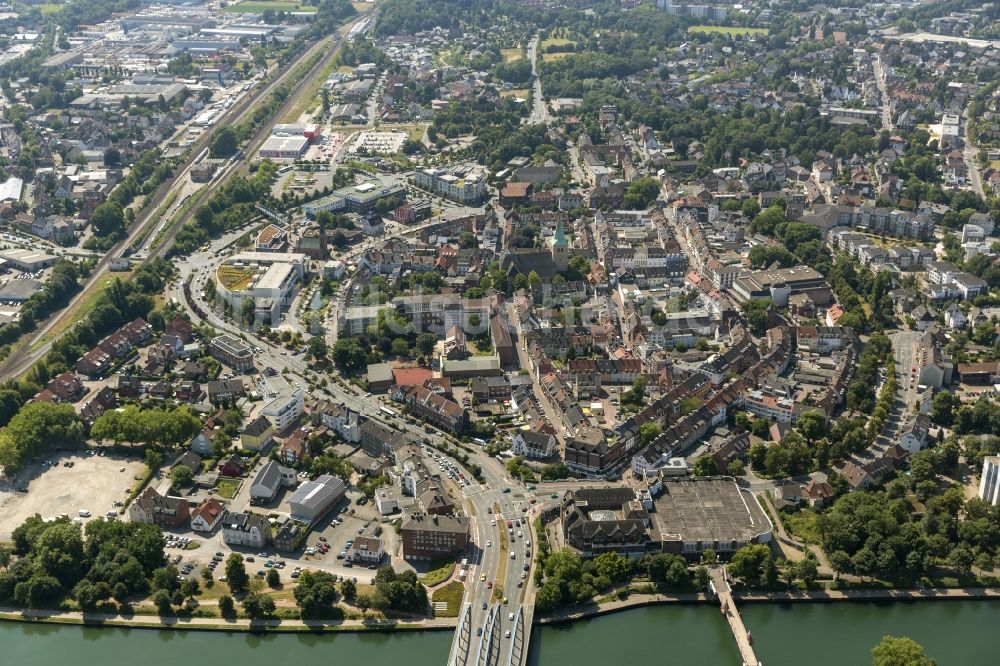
[(316, 595), (36, 430), (162, 428), (230, 207), (877, 534), (55, 558)]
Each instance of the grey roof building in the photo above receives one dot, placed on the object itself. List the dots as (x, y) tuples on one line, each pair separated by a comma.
[(313, 499), (269, 480)]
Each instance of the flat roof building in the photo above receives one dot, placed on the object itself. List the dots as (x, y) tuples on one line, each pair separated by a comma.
[(283, 147)]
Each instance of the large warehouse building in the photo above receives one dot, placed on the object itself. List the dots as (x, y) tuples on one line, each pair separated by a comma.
[(313, 499)]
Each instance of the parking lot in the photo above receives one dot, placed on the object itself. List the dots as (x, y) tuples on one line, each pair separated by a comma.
[(93, 483)]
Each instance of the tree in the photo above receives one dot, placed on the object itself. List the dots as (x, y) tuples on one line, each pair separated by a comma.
[(163, 601), (316, 594), (899, 651), (257, 605), (273, 577), (751, 563), (363, 602), (348, 589), (400, 347), (316, 347), (225, 143), (108, 219), (612, 566), (348, 354), (248, 311), (181, 476), (236, 573), (190, 588), (226, 606), (705, 465), (812, 425), (648, 432), (425, 343), (943, 408)]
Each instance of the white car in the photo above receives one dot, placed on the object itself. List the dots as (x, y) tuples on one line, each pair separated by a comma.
[(489, 544)]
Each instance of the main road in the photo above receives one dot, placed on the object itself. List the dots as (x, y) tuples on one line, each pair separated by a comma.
[(495, 548)]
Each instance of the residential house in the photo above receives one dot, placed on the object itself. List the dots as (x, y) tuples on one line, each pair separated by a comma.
[(249, 530), (207, 515), (152, 508), (257, 435), (269, 480)]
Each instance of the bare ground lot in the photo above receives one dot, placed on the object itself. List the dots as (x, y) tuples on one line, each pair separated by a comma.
[(93, 483)]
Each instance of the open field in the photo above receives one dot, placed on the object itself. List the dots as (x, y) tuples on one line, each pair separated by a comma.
[(49, 7), (452, 594), (93, 483), (549, 57), (726, 30), (512, 54), (260, 6), (521, 93), (555, 41)]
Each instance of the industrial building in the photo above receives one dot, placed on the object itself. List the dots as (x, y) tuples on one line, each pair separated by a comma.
[(313, 499), (283, 147)]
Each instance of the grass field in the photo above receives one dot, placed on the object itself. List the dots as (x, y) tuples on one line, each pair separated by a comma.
[(555, 41), (521, 93), (727, 30), (49, 8), (995, 164), (440, 572), (260, 6), (451, 593), (227, 487), (512, 54), (549, 57)]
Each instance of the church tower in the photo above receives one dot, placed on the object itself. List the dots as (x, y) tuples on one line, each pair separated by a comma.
[(559, 248)]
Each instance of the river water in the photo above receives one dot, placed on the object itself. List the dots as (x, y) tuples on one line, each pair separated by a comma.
[(954, 633)]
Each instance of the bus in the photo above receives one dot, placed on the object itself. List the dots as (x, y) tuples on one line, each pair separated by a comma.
[(387, 411)]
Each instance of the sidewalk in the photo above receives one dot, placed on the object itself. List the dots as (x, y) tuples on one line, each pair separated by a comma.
[(219, 624)]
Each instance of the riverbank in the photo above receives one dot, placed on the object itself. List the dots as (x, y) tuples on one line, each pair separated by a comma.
[(276, 625), (640, 600), (563, 616)]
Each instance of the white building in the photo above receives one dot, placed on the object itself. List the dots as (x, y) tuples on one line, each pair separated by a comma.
[(531, 444), (271, 279), (285, 410), (462, 184), (245, 529), (989, 482)]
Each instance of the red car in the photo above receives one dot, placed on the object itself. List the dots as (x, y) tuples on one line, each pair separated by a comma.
[(489, 585)]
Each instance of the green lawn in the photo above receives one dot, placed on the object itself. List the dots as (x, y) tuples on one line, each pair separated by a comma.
[(512, 54), (727, 30), (802, 523), (440, 572), (260, 6), (227, 487), (451, 593), (555, 41), (49, 8)]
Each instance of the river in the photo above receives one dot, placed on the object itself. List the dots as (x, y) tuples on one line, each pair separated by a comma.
[(954, 633)]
